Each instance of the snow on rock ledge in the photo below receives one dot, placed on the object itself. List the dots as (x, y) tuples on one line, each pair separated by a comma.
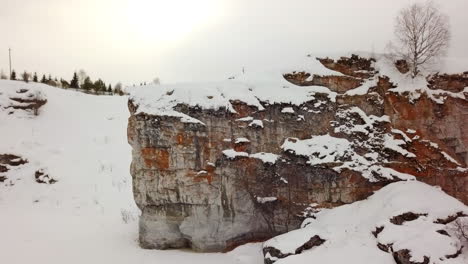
[(20, 98)]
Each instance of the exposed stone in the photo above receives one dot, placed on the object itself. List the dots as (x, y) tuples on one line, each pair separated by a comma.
[(7, 161), (450, 218), (29, 100), (377, 231), (402, 66), (42, 177), (354, 66), (12, 160), (275, 253), (406, 217), (443, 232), (403, 257), (339, 84), (456, 254), (384, 248), (449, 82)]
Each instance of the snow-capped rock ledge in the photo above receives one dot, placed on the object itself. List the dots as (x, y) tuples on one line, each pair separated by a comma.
[(328, 132), (18, 98)]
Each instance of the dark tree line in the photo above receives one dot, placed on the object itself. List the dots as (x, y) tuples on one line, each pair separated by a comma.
[(86, 85), (97, 87)]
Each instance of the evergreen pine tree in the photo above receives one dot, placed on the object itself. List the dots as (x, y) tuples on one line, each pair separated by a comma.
[(50, 78), (43, 80), (99, 86), (13, 75), (35, 77), (74, 81), (64, 83), (87, 84), (109, 89)]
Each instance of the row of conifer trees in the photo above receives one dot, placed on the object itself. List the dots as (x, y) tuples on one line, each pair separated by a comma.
[(86, 85)]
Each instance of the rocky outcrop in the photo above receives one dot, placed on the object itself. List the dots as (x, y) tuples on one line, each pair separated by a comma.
[(272, 254), (8, 161), (216, 175), (12, 166), (365, 231), (42, 176), (24, 99)]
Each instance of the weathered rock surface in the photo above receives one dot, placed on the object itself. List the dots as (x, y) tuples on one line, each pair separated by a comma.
[(214, 178), (23, 99)]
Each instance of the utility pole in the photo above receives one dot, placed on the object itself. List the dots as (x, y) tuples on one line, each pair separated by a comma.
[(9, 54)]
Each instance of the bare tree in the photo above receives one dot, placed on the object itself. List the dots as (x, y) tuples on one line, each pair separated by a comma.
[(3, 76), (461, 228), (25, 75), (156, 81), (422, 34), (82, 76), (118, 89)]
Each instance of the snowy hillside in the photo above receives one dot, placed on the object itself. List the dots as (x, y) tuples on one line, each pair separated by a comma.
[(88, 215)]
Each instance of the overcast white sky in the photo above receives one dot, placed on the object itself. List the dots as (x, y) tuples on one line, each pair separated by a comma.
[(195, 40)]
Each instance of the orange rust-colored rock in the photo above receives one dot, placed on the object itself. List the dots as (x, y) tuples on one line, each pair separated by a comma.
[(156, 158), (449, 82), (354, 66), (445, 124)]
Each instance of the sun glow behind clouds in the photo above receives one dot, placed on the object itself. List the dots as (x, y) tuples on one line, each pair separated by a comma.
[(168, 19)]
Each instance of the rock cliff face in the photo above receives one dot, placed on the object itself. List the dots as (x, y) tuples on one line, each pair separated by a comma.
[(231, 163)]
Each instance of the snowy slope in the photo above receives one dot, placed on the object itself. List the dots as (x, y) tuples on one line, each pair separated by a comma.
[(89, 215)]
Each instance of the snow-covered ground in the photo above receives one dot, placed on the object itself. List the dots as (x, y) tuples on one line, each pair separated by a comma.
[(89, 215)]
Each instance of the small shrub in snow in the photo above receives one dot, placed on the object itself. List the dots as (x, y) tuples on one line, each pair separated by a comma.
[(461, 229)]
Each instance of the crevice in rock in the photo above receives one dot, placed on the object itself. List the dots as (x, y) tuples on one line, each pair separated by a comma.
[(443, 232)]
